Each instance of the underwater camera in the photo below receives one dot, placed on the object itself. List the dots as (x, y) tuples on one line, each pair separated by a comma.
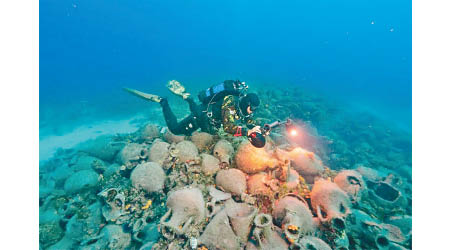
[(258, 139)]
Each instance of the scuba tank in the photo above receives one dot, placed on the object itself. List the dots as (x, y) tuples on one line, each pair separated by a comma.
[(219, 91)]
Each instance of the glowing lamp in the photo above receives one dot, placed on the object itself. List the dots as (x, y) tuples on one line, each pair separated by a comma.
[(291, 129), (293, 132)]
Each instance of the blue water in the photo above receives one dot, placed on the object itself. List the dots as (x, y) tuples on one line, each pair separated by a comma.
[(356, 51)]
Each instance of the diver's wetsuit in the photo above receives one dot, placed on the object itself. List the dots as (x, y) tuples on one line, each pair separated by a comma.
[(234, 120), (188, 124), (224, 112)]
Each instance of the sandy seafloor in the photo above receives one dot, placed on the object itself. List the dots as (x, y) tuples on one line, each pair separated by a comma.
[(75, 214)]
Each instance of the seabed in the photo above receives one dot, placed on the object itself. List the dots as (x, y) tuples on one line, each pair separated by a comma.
[(343, 183)]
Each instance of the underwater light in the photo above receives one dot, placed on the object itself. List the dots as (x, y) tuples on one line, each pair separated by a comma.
[(291, 129), (293, 132)]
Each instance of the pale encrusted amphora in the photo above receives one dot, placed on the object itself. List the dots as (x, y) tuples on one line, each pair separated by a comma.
[(148, 176), (186, 208), (351, 182), (215, 204), (310, 243), (159, 152), (232, 181), (103, 147), (386, 196), (132, 154), (391, 237), (404, 222), (148, 133), (330, 203), (50, 229), (219, 234), (111, 237), (306, 163), (115, 204), (292, 214), (86, 162), (210, 164), (374, 233), (145, 232), (81, 180), (81, 229), (202, 140), (288, 176), (261, 184), (253, 160), (223, 150), (241, 216), (266, 236), (363, 226), (185, 152), (172, 138)]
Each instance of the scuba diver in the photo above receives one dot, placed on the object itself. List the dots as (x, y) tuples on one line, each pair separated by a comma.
[(224, 104)]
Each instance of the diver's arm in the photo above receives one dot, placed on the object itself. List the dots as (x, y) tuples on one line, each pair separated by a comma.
[(230, 125), (252, 126), (251, 123)]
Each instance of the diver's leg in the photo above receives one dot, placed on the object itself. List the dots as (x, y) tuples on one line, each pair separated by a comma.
[(188, 125), (193, 107), (185, 127), (178, 89), (199, 116), (171, 119)]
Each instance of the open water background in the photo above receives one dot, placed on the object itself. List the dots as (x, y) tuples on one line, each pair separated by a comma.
[(357, 52)]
